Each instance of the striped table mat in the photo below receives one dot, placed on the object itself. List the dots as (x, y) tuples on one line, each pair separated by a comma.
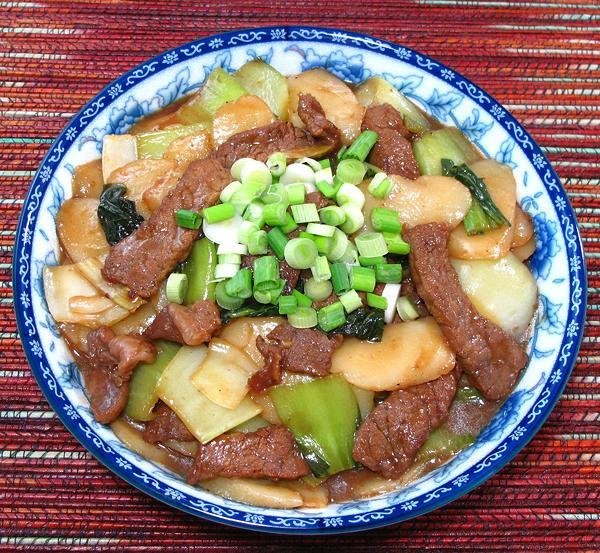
[(540, 59)]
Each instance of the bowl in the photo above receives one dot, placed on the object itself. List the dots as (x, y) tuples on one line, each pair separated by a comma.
[(558, 263)]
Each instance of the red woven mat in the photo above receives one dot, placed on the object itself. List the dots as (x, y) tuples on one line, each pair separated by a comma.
[(540, 59)]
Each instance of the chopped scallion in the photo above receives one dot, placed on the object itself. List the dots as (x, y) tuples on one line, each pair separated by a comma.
[(406, 309), (362, 279), (276, 193), (323, 244), (275, 214), (231, 248), (234, 258), (240, 285), (361, 147), (391, 272), (277, 163), (296, 193), (350, 194), (380, 186), (312, 163), (351, 301), (277, 241), (351, 171), (331, 316), (318, 289), (320, 230), (339, 278), (258, 243), (378, 302), (224, 300), (177, 284), (188, 219), (320, 270), (303, 301), (371, 244), (218, 213), (304, 317), (395, 244), (266, 273), (332, 215), (255, 213), (354, 218), (246, 229), (226, 270), (305, 213), (289, 225), (229, 190), (385, 220), (339, 245), (287, 305), (300, 253), (370, 261)]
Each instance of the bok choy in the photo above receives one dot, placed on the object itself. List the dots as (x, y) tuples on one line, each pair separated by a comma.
[(323, 416)]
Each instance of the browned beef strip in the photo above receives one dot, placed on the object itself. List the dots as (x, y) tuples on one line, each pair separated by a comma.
[(166, 426), (192, 324), (392, 152), (312, 115), (300, 350), (491, 358), (281, 136), (270, 452), (388, 440), (286, 272), (332, 298), (318, 199), (107, 368), (145, 258)]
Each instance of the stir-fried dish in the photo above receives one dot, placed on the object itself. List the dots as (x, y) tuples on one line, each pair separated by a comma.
[(292, 291)]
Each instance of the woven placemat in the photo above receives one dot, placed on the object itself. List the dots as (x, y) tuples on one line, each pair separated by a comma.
[(540, 59)]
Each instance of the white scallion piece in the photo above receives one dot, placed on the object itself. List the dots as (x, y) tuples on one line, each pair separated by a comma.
[(117, 150), (297, 172), (312, 163), (390, 293), (224, 232), (406, 309), (226, 270), (350, 194), (231, 248)]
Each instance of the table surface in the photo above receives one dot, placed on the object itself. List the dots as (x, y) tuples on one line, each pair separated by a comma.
[(540, 59)]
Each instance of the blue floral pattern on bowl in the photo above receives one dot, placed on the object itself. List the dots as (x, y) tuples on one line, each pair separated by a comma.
[(557, 264)]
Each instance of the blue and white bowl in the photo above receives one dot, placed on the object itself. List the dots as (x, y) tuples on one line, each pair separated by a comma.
[(557, 264)]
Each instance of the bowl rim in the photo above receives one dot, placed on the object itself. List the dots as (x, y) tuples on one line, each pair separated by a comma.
[(365, 42)]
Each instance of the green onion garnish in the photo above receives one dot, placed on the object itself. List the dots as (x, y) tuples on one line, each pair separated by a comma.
[(325, 163), (304, 317), (328, 189), (331, 316), (188, 219), (350, 194), (276, 193), (255, 213), (354, 218), (246, 229), (303, 301), (361, 147), (234, 258), (380, 186), (300, 253), (351, 301), (406, 310), (240, 285), (275, 214), (305, 213), (296, 193), (218, 213), (266, 273), (323, 244), (320, 270), (320, 230), (224, 300), (289, 225), (371, 244), (229, 191), (258, 243), (277, 163), (339, 245), (395, 244), (351, 171), (362, 279), (277, 241), (339, 278), (370, 261), (177, 284), (332, 215), (318, 290), (287, 305), (378, 302), (391, 272), (385, 220)]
